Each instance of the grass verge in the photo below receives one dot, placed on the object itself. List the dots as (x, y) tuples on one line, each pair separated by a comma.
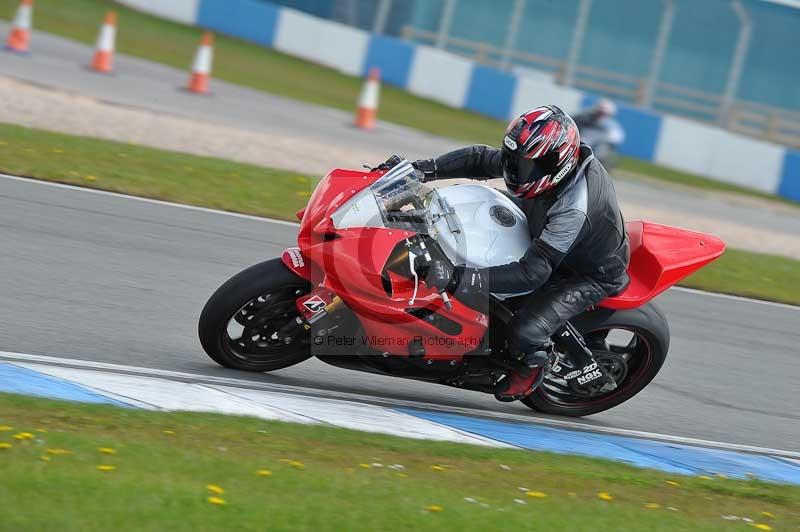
[(280, 476), (221, 184), (152, 173), (264, 69)]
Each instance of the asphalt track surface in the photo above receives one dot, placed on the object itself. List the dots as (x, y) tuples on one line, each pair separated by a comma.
[(60, 63), (102, 277)]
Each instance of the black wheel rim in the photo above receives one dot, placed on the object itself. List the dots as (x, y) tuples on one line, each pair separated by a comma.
[(625, 353), (253, 334)]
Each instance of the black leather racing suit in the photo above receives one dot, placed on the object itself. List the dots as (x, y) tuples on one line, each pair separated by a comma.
[(579, 251)]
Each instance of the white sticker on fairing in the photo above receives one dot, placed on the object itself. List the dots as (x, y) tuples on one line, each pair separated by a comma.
[(510, 143), (296, 257)]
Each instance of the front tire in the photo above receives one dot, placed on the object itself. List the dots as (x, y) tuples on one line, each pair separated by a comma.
[(258, 301), (648, 346)]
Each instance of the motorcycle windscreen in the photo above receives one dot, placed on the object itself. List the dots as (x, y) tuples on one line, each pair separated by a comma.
[(404, 201)]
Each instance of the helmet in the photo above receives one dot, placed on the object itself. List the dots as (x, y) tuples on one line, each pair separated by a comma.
[(605, 107), (540, 148)]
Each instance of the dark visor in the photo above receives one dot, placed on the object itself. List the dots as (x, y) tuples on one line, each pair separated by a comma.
[(519, 171)]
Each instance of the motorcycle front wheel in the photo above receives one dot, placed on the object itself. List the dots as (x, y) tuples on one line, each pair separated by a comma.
[(241, 324)]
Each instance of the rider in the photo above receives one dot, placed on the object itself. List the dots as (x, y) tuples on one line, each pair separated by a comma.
[(600, 129), (579, 251)]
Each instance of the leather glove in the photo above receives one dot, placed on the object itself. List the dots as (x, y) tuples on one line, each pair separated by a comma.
[(426, 169), (390, 163), (438, 274), (469, 282)]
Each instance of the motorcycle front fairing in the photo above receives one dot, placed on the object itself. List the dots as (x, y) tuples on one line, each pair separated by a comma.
[(355, 224)]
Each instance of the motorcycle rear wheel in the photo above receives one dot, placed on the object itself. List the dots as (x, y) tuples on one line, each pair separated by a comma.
[(633, 365), (240, 324)]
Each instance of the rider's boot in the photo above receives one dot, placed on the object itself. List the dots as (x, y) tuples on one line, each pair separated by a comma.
[(526, 374)]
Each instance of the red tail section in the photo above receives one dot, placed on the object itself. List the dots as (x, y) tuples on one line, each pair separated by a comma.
[(660, 257)]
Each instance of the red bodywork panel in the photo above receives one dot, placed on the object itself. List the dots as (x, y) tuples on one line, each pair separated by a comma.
[(350, 262), (660, 257)]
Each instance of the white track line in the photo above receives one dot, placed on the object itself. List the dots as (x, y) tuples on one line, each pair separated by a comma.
[(295, 224), (558, 423)]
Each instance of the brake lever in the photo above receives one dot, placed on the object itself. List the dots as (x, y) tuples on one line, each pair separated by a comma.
[(446, 298)]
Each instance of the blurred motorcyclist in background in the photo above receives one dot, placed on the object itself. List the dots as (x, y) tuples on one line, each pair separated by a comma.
[(600, 129), (579, 250)]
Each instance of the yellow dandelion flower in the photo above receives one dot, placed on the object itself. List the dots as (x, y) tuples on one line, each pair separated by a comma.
[(219, 501), (5, 428), (673, 483), (213, 488), (761, 526), (22, 436), (91, 177), (107, 450), (435, 508), (768, 515), (604, 496), (264, 473), (652, 505), (705, 477), (44, 458), (364, 466), (296, 464), (58, 452), (5, 445), (168, 432), (401, 475), (437, 468), (105, 468), (536, 494)]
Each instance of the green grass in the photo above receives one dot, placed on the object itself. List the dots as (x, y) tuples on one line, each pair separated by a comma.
[(152, 173), (164, 461), (235, 187), (752, 275), (253, 66)]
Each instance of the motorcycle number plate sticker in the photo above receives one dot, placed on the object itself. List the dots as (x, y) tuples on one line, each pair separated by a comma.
[(315, 304)]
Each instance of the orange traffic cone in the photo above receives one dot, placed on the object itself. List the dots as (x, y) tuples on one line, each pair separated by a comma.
[(201, 69), (367, 111), (20, 36), (103, 60)]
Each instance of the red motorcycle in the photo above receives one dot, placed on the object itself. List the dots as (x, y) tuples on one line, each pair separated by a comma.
[(350, 294)]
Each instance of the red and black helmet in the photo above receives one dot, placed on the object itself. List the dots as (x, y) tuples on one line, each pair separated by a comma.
[(540, 149)]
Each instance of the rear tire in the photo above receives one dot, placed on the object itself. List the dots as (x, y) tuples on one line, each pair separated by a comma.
[(270, 278), (647, 322)]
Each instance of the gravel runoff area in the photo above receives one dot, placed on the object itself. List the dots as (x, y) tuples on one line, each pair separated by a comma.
[(34, 106)]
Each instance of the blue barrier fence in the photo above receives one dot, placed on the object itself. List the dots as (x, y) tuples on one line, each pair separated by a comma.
[(432, 73)]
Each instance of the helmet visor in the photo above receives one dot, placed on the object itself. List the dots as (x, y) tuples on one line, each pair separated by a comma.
[(519, 171)]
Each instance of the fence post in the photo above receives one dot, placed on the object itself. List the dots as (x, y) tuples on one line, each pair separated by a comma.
[(737, 62), (444, 25), (578, 34), (664, 31), (511, 36), (381, 16)]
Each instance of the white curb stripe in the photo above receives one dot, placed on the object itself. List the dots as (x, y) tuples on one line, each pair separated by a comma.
[(170, 395), (332, 394)]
